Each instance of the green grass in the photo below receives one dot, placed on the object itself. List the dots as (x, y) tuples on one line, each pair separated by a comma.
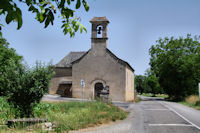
[(190, 105), (71, 115), (192, 101), (157, 95)]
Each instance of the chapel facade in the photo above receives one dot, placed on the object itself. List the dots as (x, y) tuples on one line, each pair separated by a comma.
[(98, 68)]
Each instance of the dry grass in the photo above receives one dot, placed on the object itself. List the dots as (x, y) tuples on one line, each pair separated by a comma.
[(192, 99)]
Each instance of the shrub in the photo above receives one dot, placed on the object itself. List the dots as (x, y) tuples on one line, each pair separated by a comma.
[(193, 99), (32, 85), (197, 103), (7, 111), (23, 86)]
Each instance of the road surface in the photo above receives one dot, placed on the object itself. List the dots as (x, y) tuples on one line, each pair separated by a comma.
[(158, 116), (154, 115), (151, 115)]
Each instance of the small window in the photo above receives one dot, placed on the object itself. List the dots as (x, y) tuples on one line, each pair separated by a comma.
[(99, 31)]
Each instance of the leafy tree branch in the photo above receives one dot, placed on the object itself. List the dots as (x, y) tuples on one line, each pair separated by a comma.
[(45, 11)]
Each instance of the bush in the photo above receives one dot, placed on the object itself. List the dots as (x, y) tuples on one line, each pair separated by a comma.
[(193, 99), (7, 111), (23, 86), (33, 84), (197, 103)]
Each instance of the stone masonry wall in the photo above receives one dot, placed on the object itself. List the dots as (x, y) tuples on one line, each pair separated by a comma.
[(129, 85), (98, 66)]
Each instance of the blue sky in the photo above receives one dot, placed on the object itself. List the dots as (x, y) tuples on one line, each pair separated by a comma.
[(134, 26)]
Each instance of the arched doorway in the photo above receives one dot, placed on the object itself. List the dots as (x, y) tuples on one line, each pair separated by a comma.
[(98, 87)]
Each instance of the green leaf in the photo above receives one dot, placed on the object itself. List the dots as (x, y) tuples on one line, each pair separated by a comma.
[(42, 10), (86, 5), (62, 3), (19, 22), (28, 2), (78, 4), (41, 18), (84, 29), (31, 8), (68, 2), (51, 17), (1, 11), (47, 22), (67, 12), (81, 29), (19, 18), (9, 18)]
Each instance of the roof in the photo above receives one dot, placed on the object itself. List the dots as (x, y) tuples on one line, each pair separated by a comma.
[(74, 57), (96, 19), (120, 60), (68, 59), (112, 55)]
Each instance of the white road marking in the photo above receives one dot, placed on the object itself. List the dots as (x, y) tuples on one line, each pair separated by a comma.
[(155, 109), (181, 116), (177, 125)]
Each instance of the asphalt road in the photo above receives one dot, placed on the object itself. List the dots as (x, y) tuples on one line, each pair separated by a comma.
[(151, 115), (158, 116), (154, 115)]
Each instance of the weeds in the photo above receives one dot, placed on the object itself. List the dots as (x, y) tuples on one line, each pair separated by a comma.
[(192, 101), (65, 115)]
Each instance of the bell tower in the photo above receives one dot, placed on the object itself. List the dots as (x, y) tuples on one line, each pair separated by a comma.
[(99, 32)]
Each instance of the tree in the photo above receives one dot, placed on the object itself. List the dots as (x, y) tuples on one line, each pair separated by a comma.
[(176, 63), (45, 11), (10, 64), (140, 83), (22, 86), (153, 85)]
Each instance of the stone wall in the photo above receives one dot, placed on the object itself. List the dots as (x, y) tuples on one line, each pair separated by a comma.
[(129, 84), (61, 75), (62, 71), (99, 66)]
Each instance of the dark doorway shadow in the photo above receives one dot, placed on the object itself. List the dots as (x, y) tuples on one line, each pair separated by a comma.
[(64, 90), (98, 88)]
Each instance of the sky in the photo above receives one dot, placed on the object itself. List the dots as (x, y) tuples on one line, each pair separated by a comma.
[(134, 27)]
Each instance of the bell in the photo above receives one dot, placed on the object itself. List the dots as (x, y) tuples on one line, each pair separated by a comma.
[(99, 32)]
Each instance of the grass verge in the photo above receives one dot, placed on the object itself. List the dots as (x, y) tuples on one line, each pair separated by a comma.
[(157, 95), (192, 101), (190, 105), (69, 115)]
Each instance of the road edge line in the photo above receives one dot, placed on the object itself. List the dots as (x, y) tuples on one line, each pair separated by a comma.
[(180, 115)]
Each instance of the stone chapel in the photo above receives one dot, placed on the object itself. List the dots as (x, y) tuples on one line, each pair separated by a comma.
[(98, 68)]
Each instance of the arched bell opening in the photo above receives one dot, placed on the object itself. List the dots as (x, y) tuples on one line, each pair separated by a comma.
[(99, 30)]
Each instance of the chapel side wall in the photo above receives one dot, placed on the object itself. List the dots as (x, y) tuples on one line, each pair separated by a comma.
[(54, 83), (129, 85), (98, 65), (61, 75)]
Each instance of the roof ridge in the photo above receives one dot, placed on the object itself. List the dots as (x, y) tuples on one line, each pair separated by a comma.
[(69, 58), (77, 51)]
